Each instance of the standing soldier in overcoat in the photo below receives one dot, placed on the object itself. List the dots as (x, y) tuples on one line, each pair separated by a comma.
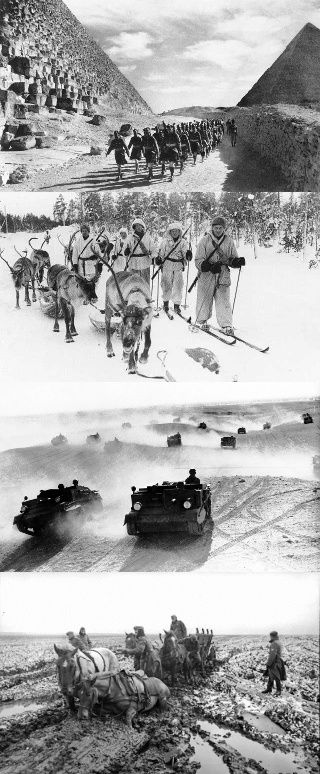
[(140, 250), (216, 253), (173, 256), (275, 668)]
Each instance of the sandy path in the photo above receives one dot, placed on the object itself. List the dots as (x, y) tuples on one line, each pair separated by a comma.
[(226, 169), (260, 524)]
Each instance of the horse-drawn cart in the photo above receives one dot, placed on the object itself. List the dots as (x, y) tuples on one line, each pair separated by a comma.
[(205, 645), (52, 507), (169, 507)]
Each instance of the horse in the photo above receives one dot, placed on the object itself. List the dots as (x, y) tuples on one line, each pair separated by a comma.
[(68, 289), (152, 661), (73, 665), (174, 656), (129, 294), (122, 693)]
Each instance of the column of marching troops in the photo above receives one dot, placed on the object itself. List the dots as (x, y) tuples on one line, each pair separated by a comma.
[(171, 144), (137, 252)]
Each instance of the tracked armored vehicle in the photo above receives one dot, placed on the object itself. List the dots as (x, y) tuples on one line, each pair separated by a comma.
[(52, 507), (228, 442), (169, 507)]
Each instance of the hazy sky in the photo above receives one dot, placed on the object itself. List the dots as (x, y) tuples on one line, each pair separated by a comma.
[(105, 602), (44, 398), (180, 53)]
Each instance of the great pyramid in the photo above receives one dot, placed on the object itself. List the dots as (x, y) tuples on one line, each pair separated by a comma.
[(294, 77), (48, 58)]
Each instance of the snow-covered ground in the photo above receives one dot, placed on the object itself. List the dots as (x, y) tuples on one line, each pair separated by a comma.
[(277, 305)]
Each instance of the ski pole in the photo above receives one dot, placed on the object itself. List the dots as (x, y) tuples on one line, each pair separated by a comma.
[(235, 295), (158, 289), (185, 305)]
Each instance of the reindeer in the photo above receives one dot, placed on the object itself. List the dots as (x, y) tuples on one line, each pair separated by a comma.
[(26, 270), (69, 289), (129, 294), (40, 258)]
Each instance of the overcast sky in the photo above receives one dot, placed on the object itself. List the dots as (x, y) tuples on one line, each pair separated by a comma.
[(105, 602), (44, 398), (20, 203), (194, 52)]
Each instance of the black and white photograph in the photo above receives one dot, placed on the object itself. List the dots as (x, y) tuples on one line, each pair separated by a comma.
[(159, 386), (168, 95), (100, 675), (213, 484), (173, 287)]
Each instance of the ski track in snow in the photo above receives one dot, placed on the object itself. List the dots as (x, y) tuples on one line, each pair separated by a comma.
[(277, 305)]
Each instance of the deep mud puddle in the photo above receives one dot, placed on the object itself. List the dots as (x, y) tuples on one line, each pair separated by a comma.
[(11, 708), (274, 762)]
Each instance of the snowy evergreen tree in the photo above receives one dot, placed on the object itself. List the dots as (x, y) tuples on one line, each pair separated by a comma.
[(59, 210)]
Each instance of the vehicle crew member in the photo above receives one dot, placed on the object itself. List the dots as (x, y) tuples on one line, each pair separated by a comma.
[(192, 478)]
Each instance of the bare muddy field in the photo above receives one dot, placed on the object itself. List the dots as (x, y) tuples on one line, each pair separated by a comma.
[(222, 723)]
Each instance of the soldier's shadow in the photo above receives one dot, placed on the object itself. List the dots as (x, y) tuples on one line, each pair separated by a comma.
[(105, 179)]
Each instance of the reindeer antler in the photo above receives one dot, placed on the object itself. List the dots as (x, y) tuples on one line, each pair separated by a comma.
[(8, 264), (32, 240), (21, 256), (62, 243)]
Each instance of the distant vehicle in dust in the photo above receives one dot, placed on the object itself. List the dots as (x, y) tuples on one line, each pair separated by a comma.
[(307, 418), (174, 440), (202, 426), (59, 440), (242, 431), (267, 426), (51, 508), (169, 507), (94, 438), (228, 442)]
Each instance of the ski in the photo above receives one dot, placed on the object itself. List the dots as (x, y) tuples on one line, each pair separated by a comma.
[(243, 341), (169, 315), (208, 331)]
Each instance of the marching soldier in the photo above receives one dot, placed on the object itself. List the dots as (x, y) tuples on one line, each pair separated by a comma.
[(140, 250), (120, 151), (137, 147), (150, 150), (216, 252), (173, 256)]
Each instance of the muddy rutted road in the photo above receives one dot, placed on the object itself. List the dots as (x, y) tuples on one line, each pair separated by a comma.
[(260, 523), (220, 724)]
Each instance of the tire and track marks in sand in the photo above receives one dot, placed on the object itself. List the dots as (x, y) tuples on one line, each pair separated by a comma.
[(259, 522)]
